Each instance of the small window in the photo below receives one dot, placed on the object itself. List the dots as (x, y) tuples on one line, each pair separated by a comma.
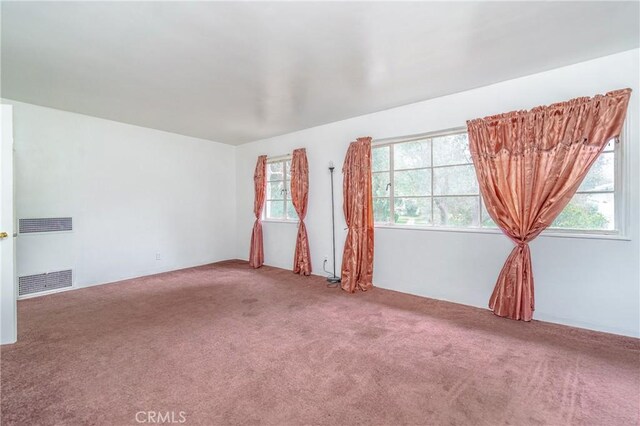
[(431, 182), (278, 204)]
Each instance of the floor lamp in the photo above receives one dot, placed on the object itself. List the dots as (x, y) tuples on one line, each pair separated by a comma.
[(333, 279)]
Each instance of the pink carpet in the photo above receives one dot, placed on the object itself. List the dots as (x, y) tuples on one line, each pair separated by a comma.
[(225, 344)]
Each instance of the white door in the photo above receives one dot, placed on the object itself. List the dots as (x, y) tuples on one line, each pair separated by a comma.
[(8, 308)]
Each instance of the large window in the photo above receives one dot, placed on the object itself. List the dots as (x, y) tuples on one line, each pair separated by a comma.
[(431, 182), (278, 203)]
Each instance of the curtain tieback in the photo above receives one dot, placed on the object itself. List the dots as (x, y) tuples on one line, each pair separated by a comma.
[(520, 243)]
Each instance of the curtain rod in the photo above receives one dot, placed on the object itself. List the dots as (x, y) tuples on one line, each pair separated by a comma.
[(279, 157), (418, 136)]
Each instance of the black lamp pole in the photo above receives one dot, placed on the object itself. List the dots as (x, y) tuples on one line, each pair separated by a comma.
[(333, 279)]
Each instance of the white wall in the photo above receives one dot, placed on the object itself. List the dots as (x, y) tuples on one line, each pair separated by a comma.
[(132, 192), (591, 283)]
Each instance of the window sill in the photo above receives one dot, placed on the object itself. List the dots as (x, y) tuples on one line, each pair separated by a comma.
[(439, 229), (552, 233), (585, 235), (291, 221)]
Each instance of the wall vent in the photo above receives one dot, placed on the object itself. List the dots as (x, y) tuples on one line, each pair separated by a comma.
[(48, 224), (39, 283)]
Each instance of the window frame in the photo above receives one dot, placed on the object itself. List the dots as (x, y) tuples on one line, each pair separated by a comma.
[(620, 193), (287, 191)]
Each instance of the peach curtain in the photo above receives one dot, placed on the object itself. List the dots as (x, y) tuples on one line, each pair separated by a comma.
[(256, 254), (357, 258), (299, 196), (529, 165)]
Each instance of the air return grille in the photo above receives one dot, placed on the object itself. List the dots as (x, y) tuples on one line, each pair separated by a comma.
[(48, 224), (38, 283)]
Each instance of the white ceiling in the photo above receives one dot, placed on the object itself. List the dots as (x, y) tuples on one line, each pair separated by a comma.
[(238, 72)]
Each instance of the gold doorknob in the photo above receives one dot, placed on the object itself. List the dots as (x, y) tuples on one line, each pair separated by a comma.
[(3, 235)]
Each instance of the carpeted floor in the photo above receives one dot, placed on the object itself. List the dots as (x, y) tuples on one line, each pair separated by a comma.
[(225, 344)]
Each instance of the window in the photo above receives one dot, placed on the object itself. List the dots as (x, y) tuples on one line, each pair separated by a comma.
[(278, 203), (431, 182), (593, 205), (427, 182)]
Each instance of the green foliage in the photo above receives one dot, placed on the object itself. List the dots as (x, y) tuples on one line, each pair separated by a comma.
[(380, 158), (452, 211), (275, 210), (450, 150), (601, 174), (581, 216), (381, 183), (381, 209), (412, 183), (412, 155), (415, 211)]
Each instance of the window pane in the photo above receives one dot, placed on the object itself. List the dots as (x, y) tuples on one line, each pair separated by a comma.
[(487, 222), (381, 211), (587, 211), (412, 155), (380, 159), (288, 169), (287, 192), (274, 209), (412, 182), (380, 184), (456, 211), (412, 211), (601, 175), (274, 171), (457, 180), (291, 211), (275, 190), (452, 149)]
